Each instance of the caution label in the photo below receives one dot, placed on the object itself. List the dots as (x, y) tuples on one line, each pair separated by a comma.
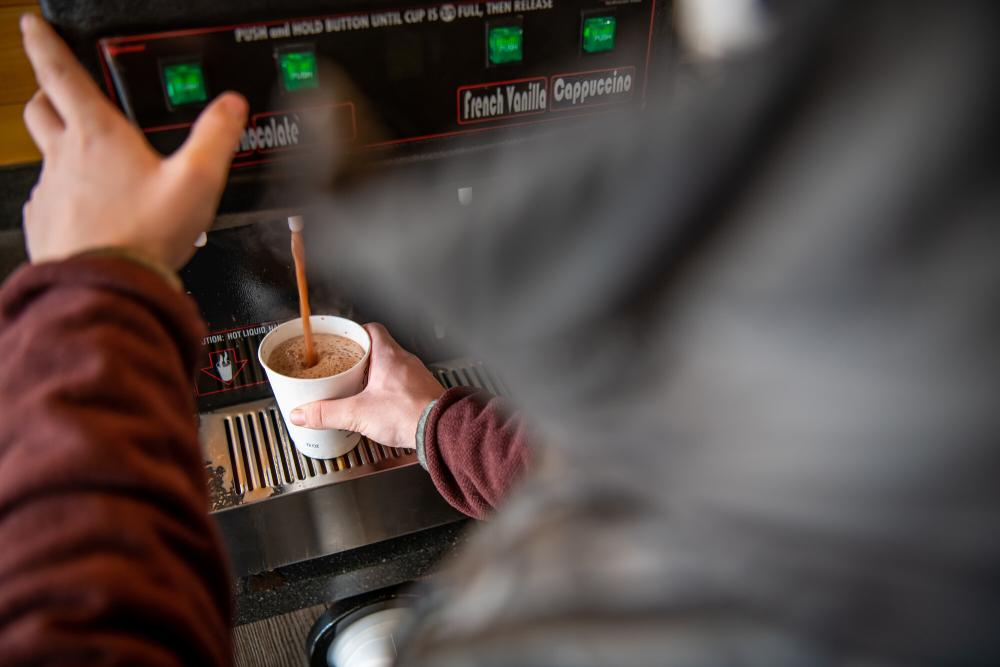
[(502, 99), (230, 360), (588, 89)]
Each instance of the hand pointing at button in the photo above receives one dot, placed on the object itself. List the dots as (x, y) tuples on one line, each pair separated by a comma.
[(102, 184)]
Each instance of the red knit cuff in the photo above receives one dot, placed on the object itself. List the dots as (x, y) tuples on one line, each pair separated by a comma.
[(435, 461)]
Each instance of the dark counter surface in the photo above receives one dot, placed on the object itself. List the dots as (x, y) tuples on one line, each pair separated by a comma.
[(16, 182), (12, 251), (325, 580)]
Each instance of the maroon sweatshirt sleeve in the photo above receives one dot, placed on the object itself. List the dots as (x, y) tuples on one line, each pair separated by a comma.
[(474, 448), (107, 556)]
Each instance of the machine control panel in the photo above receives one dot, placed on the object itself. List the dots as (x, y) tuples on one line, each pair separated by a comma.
[(375, 78)]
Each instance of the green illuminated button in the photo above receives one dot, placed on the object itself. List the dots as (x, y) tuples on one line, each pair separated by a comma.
[(184, 83), (598, 34), (298, 70), (505, 44)]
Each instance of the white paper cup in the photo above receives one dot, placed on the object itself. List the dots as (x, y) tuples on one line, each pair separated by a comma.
[(291, 393)]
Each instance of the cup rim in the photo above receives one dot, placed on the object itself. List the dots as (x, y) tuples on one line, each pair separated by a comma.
[(269, 369)]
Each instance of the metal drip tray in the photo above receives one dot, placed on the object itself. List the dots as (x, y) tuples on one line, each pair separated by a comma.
[(251, 457), (276, 506)]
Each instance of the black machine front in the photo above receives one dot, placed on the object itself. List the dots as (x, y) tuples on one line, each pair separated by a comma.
[(387, 82), (414, 89), (366, 75), (385, 77)]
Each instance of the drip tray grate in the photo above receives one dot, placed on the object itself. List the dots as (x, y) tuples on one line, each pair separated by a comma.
[(263, 455), (467, 374), (249, 456)]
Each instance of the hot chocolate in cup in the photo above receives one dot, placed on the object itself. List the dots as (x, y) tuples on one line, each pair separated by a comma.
[(293, 392)]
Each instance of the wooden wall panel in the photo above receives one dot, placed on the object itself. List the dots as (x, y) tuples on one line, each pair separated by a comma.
[(16, 145), (17, 84)]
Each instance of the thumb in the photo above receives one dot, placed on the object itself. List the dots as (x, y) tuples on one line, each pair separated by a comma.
[(341, 413), (209, 148)]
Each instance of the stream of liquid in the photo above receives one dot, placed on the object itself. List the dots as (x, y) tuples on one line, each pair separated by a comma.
[(299, 255)]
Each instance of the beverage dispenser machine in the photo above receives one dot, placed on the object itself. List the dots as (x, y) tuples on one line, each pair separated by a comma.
[(393, 84)]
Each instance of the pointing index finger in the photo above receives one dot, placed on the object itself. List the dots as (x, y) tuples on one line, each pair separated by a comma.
[(68, 86)]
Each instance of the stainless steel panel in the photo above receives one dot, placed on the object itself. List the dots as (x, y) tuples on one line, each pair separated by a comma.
[(332, 518), (276, 506)]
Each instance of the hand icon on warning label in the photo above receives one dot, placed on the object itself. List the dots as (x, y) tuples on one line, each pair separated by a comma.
[(224, 366)]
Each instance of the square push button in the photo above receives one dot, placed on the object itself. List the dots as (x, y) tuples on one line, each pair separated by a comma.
[(298, 68), (598, 34), (504, 43), (184, 83)]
